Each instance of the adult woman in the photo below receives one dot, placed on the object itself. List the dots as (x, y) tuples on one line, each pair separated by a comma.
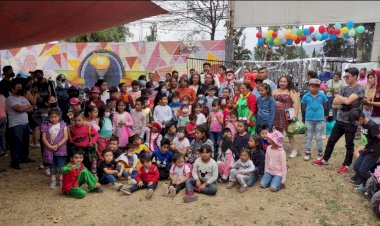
[(195, 83), (173, 86), (62, 95), (168, 77), (209, 81), (333, 88), (286, 96), (371, 102), (246, 107), (103, 88), (184, 90)]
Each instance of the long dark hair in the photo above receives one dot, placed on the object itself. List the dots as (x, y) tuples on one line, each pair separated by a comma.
[(289, 79), (227, 143), (191, 79)]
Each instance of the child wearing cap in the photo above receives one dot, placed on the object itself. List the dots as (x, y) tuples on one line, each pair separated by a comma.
[(314, 104), (275, 163)]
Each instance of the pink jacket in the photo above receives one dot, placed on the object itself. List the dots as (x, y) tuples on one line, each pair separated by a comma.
[(275, 162)]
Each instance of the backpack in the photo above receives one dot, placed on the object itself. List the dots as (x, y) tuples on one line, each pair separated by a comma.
[(373, 184), (188, 165), (375, 201)]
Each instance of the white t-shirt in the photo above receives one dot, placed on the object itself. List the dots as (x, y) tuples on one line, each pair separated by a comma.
[(54, 130), (201, 119), (179, 172), (181, 144)]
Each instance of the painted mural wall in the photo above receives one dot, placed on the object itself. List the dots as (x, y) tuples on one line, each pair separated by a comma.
[(84, 63)]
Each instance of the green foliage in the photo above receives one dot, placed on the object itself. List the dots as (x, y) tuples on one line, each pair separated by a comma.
[(240, 52), (114, 34), (338, 48)]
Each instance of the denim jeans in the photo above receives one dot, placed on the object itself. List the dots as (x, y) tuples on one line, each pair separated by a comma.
[(19, 143), (364, 164), (252, 180), (340, 129), (271, 180), (208, 190), (57, 164), (3, 128), (145, 185), (215, 137), (314, 128), (111, 178)]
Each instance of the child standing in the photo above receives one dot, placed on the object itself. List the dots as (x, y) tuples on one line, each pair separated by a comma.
[(108, 173), (183, 116), (227, 111), (257, 157), (54, 138), (241, 138), (162, 112), (232, 123), (179, 173), (201, 100), (314, 104), (241, 171), (147, 177), (190, 127), (153, 136), (106, 131), (266, 107), (200, 139), (201, 118), (162, 158), (180, 143), (205, 174), (128, 162), (122, 122), (225, 158), (75, 174), (210, 96), (216, 124), (138, 117), (275, 163)]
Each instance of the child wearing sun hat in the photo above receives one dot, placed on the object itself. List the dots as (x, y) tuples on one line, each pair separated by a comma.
[(275, 163)]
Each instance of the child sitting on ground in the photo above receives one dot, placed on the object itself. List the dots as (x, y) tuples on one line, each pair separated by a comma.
[(275, 163), (147, 177), (205, 174), (179, 173), (257, 157), (171, 131), (114, 147), (75, 174), (153, 136), (241, 171), (264, 131), (201, 138), (108, 173), (225, 158), (162, 158), (180, 143), (128, 162), (241, 138)]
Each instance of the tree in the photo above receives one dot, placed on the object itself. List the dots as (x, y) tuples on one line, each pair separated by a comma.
[(153, 33), (114, 34), (339, 48), (364, 43), (240, 52), (314, 54)]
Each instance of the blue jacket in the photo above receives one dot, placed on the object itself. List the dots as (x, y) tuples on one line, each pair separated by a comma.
[(325, 76), (266, 110), (160, 159)]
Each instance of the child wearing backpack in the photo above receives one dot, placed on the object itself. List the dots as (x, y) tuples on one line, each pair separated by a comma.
[(179, 173)]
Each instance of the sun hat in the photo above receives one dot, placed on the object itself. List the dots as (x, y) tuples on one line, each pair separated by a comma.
[(277, 137)]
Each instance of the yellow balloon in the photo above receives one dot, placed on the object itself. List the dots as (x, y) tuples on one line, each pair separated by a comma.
[(344, 30), (276, 41), (270, 32)]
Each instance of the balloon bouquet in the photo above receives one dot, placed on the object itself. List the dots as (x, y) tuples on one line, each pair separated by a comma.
[(308, 35)]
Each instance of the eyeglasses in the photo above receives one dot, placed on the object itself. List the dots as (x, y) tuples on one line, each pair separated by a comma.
[(346, 77)]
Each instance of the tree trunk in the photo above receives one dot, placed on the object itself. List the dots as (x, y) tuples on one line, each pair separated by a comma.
[(359, 50), (213, 33)]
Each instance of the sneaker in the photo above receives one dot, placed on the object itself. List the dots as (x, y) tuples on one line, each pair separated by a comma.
[(306, 157), (39, 167), (132, 182), (188, 199), (343, 169), (230, 184), (149, 194), (126, 191), (319, 162), (117, 186), (172, 192), (98, 190), (356, 180), (320, 155), (47, 171), (293, 154), (243, 189), (165, 189), (53, 184), (361, 189)]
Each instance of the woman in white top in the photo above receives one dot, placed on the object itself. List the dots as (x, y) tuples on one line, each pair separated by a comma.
[(333, 88)]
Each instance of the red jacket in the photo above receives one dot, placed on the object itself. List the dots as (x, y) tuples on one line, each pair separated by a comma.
[(80, 135), (70, 177), (152, 175)]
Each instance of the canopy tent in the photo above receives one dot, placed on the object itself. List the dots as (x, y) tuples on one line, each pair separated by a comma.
[(24, 23)]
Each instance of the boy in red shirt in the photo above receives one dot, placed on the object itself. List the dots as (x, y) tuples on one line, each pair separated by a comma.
[(147, 177), (190, 127), (75, 174)]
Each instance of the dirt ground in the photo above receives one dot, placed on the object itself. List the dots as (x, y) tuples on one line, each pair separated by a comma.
[(313, 196)]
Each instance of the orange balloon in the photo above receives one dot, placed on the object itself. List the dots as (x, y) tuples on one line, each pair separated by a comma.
[(288, 36)]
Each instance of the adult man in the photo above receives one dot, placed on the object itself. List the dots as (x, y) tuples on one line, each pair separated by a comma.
[(44, 87), (263, 74), (153, 80), (350, 98), (5, 84), (206, 69), (222, 73), (326, 74), (17, 108)]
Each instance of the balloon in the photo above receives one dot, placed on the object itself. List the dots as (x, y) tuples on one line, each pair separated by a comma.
[(311, 29), (294, 37), (288, 35), (318, 36), (303, 38), (314, 39), (312, 35), (337, 26), (289, 42), (346, 36), (281, 34), (294, 30), (259, 35), (344, 30), (283, 41), (333, 37), (322, 29), (306, 31), (340, 35), (337, 31), (265, 34), (357, 34), (308, 40), (325, 35), (297, 41), (330, 31), (350, 24), (274, 34), (299, 32), (260, 41), (276, 41), (351, 32), (270, 32), (360, 29)]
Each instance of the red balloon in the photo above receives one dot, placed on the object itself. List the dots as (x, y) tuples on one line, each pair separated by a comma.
[(259, 35), (303, 38), (311, 29), (322, 29), (274, 34), (314, 39), (331, 31), (337, 31), (297, 41)]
